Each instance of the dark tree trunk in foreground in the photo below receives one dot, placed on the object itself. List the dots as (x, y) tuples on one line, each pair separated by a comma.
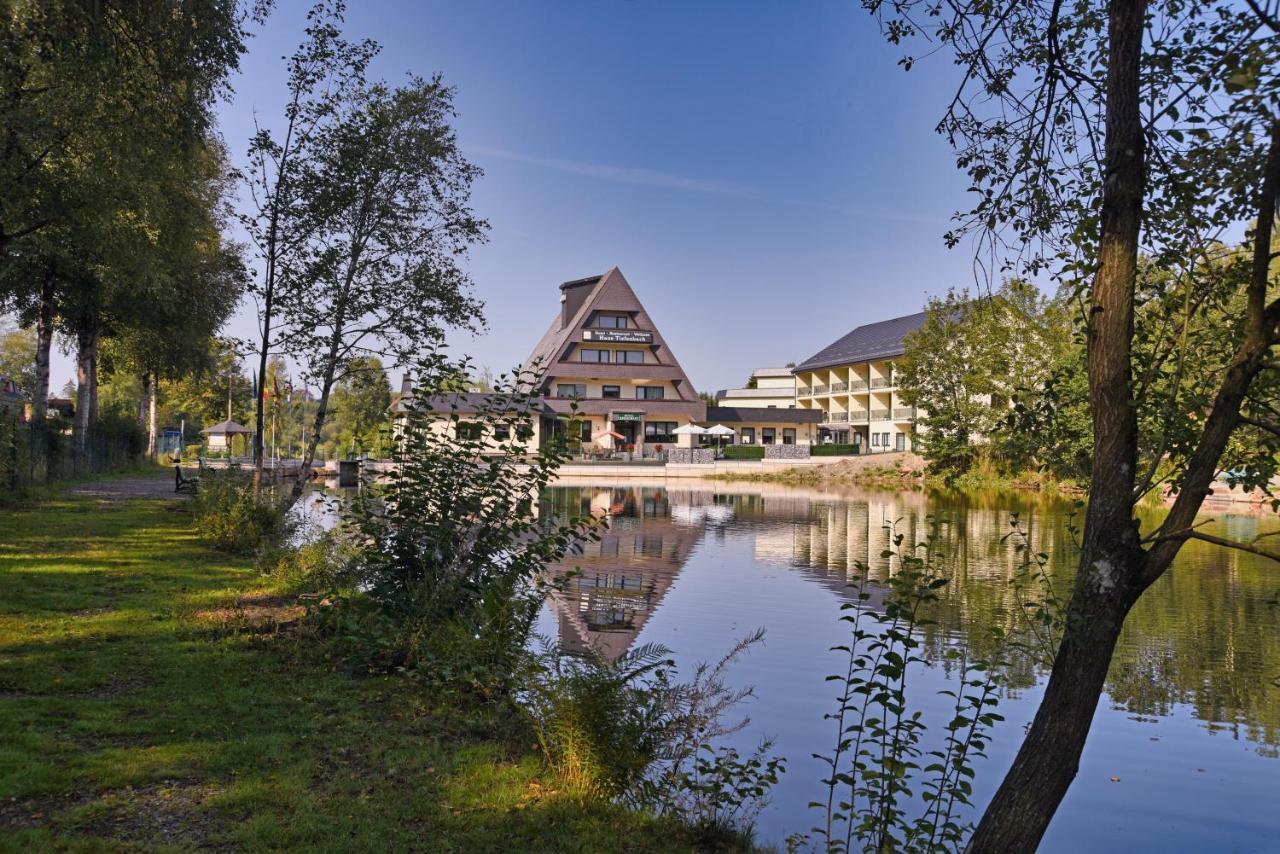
[(1111, 562)]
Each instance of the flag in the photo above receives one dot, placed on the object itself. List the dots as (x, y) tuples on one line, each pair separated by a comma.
[(289, 392)]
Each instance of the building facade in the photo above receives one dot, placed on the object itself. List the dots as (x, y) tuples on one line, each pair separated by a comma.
[(852, 383), (606, 368), (770, 388)]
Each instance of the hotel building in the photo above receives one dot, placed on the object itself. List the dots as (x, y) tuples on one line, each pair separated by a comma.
[(851, 382), (607, 372)]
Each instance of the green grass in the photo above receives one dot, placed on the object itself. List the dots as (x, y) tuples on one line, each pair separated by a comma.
[(139, 707)]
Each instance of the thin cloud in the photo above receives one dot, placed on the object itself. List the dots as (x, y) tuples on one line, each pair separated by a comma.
[(667, 180), (622, 174)]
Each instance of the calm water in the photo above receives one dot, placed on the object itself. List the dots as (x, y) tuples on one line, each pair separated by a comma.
[(1190, 724)]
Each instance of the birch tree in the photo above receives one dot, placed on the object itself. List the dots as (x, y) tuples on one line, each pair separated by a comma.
[(285, 209), (382, 275)]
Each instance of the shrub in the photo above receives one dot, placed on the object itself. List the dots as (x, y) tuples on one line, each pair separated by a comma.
[(626, 729), (744, 452), (455, 543), (834, 450), (232, 519)]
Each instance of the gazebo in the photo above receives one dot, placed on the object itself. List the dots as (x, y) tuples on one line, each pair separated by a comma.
[(221, 434)]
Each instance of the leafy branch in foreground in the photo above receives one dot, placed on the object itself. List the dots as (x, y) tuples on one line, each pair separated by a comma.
[(877, 769)]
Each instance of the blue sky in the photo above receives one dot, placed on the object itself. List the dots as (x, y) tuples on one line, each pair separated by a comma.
[(764, 173)]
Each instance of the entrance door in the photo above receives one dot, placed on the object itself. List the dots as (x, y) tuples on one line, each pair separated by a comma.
[(628, 429), (900, 443)]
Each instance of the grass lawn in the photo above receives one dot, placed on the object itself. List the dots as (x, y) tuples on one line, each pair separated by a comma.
[(148, 698)]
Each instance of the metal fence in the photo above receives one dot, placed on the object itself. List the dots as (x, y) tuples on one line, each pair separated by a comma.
[(38, 452)]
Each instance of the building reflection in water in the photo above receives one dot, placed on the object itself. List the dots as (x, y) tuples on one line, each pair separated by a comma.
[(621, 579), (617, 583)]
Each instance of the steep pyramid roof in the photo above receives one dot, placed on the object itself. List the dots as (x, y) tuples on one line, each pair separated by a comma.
[(581, 300)]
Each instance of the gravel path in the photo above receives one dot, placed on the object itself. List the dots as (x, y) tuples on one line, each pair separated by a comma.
[(155, 486)]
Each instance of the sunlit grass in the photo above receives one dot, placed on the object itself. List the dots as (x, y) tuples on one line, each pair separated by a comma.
[(127, 717)]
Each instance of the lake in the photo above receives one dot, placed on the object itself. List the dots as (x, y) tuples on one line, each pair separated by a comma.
[(1184, 754)]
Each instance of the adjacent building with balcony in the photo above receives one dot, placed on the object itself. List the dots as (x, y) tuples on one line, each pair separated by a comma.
[(852, 383), (768, 388)]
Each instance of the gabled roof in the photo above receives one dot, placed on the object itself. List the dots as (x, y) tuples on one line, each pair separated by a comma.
[(461, 402), (610, 293), (226, 428), (882, 340)]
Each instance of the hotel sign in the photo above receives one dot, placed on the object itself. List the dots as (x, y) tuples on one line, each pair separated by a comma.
[(617, 336), (625, 416)]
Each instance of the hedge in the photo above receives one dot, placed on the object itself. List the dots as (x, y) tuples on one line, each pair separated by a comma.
[(744, 452), (834, 450)]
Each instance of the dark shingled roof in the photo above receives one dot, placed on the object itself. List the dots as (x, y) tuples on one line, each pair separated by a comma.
[(760, 415), (881, 340)]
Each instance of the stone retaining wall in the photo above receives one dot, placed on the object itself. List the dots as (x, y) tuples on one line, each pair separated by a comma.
[(698, 456), (786, 452)]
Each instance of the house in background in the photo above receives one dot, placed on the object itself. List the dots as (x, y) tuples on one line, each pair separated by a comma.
[(768, 388), (852, 383)]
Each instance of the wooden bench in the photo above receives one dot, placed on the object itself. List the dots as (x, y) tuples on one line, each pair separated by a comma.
[(185, 484)]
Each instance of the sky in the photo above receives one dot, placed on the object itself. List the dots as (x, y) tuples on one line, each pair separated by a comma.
[(765, 174)]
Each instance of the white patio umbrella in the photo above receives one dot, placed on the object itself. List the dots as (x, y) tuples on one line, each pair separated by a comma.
[(719, 431), (690, 430)]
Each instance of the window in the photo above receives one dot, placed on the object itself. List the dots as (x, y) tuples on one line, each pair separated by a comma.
[(586, 432), (649, 392), (875, 440), (629, 357), (660, 432), (747, 435), (570, 390), (501, 432), (611, 321), (767, 435), (900, 442), (587, 354), (788, 435), (612, 392), (469, 431)]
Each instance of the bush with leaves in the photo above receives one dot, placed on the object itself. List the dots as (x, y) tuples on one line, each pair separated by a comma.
[(231, 518), (450, 576), (627, 729)]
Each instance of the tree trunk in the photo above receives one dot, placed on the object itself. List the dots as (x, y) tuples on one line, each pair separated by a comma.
[(86, 345), (1112, 560), (44, 345), (151, 416), (313, 441), (144, 405)]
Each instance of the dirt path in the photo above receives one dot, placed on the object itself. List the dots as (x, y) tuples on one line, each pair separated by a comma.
[(156, 486)]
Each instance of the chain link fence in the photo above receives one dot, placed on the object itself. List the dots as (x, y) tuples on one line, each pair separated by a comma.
[(40, 452)]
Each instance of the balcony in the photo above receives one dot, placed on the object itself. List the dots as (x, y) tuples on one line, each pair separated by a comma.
[(858, 417), (882, 382), (819, 389), (904, 414), (839, 387), (858, 385), (880, 415)]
